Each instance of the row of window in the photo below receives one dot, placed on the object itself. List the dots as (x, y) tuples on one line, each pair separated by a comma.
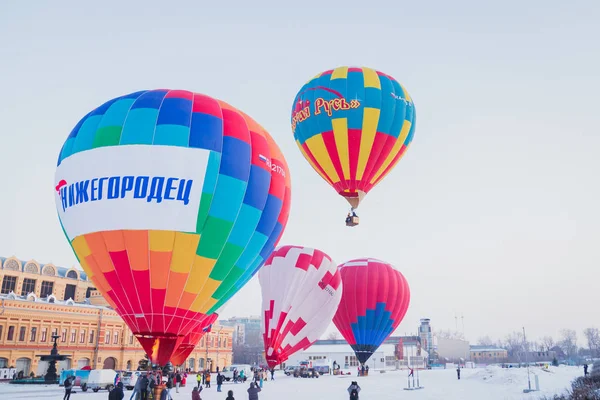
[(489, 354), (9, 284), (10, 336), (33, 334), (351, 361)]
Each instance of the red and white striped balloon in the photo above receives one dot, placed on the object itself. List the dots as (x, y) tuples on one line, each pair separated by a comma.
[(301, 290)]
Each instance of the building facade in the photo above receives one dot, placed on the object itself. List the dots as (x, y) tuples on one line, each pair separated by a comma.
[(328, 351), (395, 352), (488, 355), (248, 330), (426, 336), (38, 301), (248, 345)]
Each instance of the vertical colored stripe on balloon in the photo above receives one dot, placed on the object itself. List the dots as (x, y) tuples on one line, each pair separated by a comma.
[(312, 163), (394, 152), (340, 132), (339, 73), (371, 78), (199, 273), (393, 164), (316, 145), (369, 129), (182, 260)]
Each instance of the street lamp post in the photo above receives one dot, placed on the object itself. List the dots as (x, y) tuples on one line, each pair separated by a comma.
[(218, 344), (526, 359), (206, 358)]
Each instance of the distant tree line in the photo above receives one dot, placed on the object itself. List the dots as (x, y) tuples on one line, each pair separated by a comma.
[(566, 347)]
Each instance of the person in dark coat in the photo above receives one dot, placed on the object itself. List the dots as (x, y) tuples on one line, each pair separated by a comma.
[(68, 387), (178, 379), (272, 374), (585, 370), (253, 391), (144, 385), (458, 372), (230, 395), (196, 393), (117, 392), (220, 379), (353, 390)]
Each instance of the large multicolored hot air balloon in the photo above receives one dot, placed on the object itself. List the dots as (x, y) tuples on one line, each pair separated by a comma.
[(374, 301), (353, 125), (191, 340), (301, 290), (170, 199)]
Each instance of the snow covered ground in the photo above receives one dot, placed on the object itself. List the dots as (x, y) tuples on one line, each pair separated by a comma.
[(489, 383)]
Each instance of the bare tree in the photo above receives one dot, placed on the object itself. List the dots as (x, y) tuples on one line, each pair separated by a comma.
[(568, 342), (485, 341), (449, 334), (592, 335), (514, 344), (333, 335), (548, 343)]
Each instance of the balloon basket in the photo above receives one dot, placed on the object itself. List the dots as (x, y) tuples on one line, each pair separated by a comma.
[(157, 391), (352, 221)]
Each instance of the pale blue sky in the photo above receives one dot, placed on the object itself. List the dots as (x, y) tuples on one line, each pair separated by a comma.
[(494, 211)]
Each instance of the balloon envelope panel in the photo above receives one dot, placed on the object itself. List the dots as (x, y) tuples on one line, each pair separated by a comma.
[(375, 299), (191, 340), (162, 195), (353, 125), (301, 289)]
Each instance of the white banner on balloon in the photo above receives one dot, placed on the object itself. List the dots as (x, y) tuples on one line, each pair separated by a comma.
[(136, 187)]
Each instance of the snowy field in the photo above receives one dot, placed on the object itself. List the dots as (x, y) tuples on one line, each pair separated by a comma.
[(484, 383)]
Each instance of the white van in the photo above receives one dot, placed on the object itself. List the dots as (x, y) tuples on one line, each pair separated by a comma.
[(101, 379), (227, 372), (129, 378)]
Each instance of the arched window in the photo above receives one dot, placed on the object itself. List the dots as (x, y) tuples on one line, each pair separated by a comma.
[(72, 274), (31, 268), (11, 265), (49, 270)]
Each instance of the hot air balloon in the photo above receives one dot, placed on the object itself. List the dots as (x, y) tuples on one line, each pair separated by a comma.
[(191, 340), (375, 298), (169, 199), (353, 125), (301, 289)]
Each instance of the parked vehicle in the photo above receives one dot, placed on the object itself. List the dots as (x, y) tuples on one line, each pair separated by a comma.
[(227, 372), (101, 379), (308, 373), (129, 378), (289, 370), (322, 369), (81, 377)]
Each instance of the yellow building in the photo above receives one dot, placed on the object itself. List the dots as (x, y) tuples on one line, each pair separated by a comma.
[(488, 354), (38, 301)]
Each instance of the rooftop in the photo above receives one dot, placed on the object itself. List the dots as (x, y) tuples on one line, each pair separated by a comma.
[(50, 299), (486, 348), (34, 267)]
